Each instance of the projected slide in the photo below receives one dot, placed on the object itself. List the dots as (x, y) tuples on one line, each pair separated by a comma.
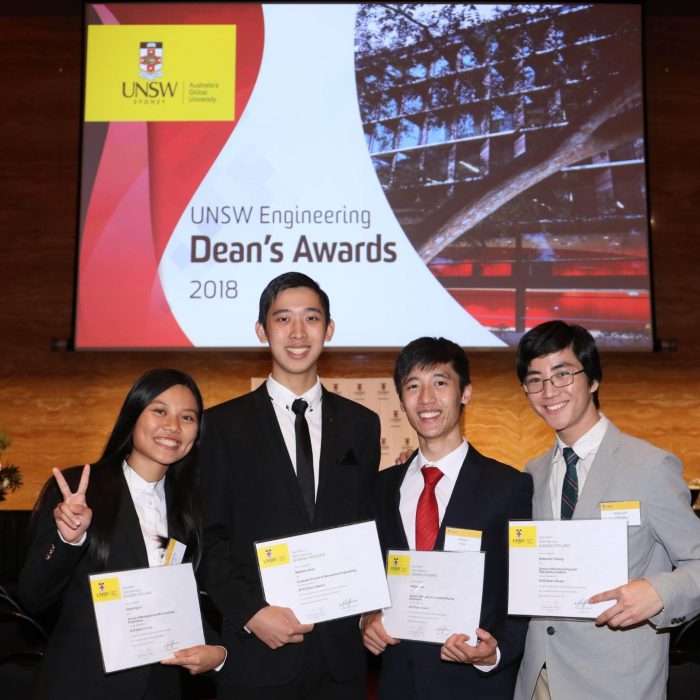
[(458, 170)]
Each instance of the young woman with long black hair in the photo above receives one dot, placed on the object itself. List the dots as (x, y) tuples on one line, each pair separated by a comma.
[(118, 514)]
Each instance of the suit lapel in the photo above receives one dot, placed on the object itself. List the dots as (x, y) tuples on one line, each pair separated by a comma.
[(393, 515), (272, 442), (541, 472), (330, 427), (605, 464), (129, 528), (464, 498)]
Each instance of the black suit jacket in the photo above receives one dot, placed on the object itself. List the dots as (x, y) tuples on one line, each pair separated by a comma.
[(487, 494), (250, 493), (57, 573)]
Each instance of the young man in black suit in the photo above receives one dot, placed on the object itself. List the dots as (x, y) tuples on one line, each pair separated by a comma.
[(470, 492), (287, 458)]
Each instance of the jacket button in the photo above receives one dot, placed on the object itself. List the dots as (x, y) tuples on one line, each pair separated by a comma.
[(550, 630)]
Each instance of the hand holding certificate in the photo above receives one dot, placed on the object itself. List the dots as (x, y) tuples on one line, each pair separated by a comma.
[(326, 574), (555, 566), (145, 615), (434, 594)]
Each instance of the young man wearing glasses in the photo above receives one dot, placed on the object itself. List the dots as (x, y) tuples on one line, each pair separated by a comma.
[(624, 652)]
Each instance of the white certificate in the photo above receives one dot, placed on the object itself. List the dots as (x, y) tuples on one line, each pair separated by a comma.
[(555, 566), (325, 575), (434, 594), (144, 615)]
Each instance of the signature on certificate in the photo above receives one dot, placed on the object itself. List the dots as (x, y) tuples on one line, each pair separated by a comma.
[(348, 604)]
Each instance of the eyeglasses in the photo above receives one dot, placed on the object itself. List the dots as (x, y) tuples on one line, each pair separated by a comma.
[(559, 380)]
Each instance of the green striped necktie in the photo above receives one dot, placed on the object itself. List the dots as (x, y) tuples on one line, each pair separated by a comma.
[(569, 491)]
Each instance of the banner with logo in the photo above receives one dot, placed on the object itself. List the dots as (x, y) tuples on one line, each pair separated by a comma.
[(450, 170)]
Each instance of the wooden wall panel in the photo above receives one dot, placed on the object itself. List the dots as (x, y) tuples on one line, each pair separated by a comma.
[(59, 406)]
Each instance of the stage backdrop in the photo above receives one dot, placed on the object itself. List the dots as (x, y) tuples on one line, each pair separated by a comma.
[(459, 170)]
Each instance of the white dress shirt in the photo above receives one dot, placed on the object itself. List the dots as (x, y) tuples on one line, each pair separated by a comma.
[(152, 512), (149, 501), (282, 400), (586, 448)]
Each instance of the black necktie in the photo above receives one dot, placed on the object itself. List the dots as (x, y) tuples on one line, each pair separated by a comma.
[(569, 490), (305, 458)]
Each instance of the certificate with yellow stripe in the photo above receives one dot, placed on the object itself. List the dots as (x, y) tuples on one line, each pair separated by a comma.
[(434, 594), (326, 574), (145, 615), (555, 566)]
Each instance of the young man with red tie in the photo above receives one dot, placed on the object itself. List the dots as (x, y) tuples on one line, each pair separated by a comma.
[(448, 483)]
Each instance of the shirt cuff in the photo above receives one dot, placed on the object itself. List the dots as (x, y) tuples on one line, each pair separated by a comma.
[(486, 669), (73, 544), (221, 665)]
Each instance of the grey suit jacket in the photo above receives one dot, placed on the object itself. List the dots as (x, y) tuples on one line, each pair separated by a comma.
[(585, 661)]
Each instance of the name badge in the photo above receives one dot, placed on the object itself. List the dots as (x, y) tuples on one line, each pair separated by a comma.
[(174, 553), (622, 510), (459, 540)]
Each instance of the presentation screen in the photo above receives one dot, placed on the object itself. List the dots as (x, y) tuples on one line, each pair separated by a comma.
[(457, 170)]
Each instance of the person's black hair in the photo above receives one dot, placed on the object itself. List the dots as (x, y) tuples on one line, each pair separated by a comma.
[(553, 336), (428, 352), (105, 487), (291, 280)]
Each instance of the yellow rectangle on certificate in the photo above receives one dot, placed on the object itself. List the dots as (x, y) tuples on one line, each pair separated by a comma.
[(276, 555), (167, 557), (160, 73), (620, 505), (523, 536), (398, 565), (105, 589), (459, 532)]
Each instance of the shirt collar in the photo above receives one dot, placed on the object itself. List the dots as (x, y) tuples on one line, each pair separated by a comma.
[(449, 465), (284, 397), (139, 486), (589, 442)]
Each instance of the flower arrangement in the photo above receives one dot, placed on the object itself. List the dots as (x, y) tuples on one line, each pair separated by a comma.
[(10, 476)]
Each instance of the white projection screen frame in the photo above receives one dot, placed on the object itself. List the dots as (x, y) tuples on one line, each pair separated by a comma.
[(453, 170)]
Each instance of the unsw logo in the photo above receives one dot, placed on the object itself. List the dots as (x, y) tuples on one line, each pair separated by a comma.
[(151, 60), (154, 91)]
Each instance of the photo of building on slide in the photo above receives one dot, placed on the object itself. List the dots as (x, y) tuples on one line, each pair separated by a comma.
[(509, 140)]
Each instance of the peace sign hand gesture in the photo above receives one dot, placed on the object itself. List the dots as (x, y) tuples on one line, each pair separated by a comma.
[(72, 516)]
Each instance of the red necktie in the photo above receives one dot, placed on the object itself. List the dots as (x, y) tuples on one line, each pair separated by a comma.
[(427, 518)]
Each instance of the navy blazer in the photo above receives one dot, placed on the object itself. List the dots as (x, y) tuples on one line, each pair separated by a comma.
[(486, 495), (250, 493)]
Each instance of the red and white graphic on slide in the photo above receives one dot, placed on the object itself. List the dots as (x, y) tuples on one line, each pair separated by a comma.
[(147, 173)]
